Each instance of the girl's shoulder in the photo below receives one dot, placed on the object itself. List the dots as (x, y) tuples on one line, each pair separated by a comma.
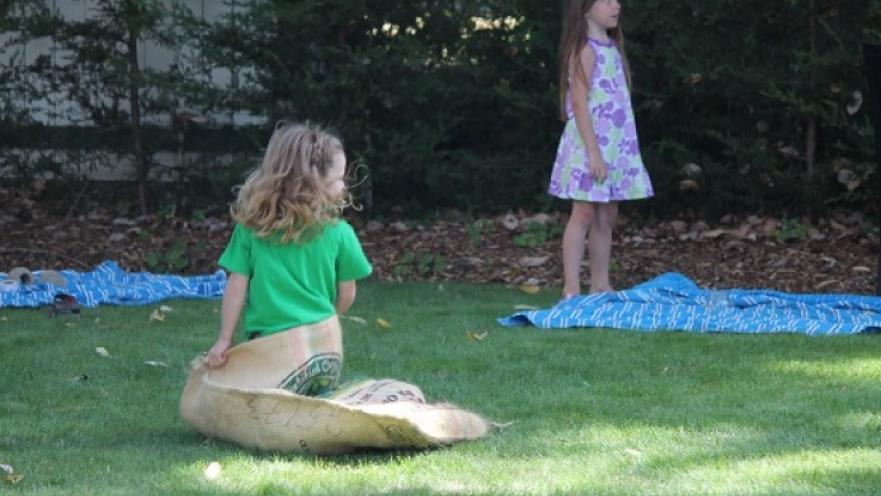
[(333, 231), (587, 52), (343, 222), (338, 225), (240, 229), (336, 228)]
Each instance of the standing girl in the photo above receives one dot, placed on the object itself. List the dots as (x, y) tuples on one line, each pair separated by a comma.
[(598, 162), (292, 262)]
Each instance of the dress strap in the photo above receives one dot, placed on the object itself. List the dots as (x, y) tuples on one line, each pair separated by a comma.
[(595, 41)]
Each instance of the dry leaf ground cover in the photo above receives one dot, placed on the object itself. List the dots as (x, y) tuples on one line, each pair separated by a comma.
[(89, 405), (838, 254)]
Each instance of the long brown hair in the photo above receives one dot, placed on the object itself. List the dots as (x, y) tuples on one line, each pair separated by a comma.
[(573, 38), (287, 194)]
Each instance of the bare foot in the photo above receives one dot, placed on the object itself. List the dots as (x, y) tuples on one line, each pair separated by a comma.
[(569, 293), (606, 289)]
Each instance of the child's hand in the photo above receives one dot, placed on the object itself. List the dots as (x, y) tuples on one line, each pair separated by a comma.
[(217, 354), (597, 167)]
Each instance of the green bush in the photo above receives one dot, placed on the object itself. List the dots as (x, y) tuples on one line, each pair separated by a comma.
[(454, 103)]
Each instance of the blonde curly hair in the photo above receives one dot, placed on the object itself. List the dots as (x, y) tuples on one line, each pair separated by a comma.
[(288, 194)]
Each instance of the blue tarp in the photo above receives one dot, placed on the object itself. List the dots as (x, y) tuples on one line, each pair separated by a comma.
[(673, 302), (109, 284)]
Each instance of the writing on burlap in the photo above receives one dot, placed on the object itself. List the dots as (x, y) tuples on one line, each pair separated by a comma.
[(318, 375)]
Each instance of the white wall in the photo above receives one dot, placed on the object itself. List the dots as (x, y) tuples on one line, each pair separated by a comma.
[(50, 110)]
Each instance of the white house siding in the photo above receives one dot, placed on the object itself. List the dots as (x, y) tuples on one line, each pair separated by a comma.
[(55, 111)]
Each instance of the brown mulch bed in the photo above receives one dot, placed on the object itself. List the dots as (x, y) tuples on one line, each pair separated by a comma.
[(836, 256)]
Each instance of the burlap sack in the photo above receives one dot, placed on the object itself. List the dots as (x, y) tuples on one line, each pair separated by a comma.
[(250, 401)]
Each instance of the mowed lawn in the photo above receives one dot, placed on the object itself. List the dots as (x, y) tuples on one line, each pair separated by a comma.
[(590, 411)]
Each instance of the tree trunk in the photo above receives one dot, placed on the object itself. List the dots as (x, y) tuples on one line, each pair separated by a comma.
[(135, 107)]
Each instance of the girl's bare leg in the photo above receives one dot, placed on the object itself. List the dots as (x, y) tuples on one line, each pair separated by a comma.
[(599, 246), (573, 246)]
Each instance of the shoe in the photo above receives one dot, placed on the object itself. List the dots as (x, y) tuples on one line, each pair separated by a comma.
[(64, 304)]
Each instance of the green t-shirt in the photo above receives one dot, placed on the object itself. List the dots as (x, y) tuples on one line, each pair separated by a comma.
[(294, 284)]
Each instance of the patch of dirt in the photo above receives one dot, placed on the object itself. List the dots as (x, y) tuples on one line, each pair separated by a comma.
[(835, 256)]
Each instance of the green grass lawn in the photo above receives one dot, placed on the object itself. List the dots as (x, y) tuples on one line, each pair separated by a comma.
[(592, 411)]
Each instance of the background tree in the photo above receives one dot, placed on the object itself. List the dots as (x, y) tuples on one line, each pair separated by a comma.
[(94, 69), (742, 105)]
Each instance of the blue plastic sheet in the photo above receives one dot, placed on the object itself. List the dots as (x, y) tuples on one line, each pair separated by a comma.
[(109, 284), (672, 302)]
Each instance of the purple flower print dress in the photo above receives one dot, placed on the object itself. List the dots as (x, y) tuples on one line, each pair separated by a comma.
[(615, 128)]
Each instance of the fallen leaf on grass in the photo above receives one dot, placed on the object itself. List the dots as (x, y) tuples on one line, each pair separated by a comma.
[(102, 351), (529, 288), (633, 452), (212, 471), (157, 315), (153, 363), (4, 318), (473, 336), (13, 479), (526, 307), (358, 320), (9, 475), (383, 323)]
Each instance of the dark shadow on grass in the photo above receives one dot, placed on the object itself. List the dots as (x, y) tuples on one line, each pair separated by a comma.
[(357, 457), (280, 489)]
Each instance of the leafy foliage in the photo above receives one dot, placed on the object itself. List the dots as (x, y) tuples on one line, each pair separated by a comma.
[(171, 260), (454, 104)]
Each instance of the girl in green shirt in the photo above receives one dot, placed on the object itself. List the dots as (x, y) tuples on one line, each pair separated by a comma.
[(292, 262)]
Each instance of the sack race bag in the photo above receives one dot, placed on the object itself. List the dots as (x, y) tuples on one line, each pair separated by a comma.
[(258, 399)]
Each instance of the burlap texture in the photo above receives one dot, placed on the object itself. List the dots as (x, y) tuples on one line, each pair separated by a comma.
[(250, 401)]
